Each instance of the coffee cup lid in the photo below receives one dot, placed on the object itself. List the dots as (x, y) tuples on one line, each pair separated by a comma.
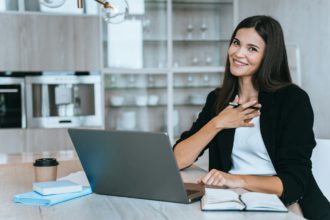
[(45, 162)]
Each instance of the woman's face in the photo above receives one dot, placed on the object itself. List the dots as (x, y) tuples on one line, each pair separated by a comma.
[(246, 52)]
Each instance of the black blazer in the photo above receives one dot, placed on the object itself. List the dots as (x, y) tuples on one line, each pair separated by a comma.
[(286, 124)]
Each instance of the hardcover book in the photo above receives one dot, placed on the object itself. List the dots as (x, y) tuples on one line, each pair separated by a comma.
[(56, 187)]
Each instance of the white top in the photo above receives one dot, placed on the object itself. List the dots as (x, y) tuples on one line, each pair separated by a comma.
[(249, 155)]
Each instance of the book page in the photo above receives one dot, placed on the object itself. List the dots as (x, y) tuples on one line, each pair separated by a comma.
[(221, 199), (255, 201), (78, 177)]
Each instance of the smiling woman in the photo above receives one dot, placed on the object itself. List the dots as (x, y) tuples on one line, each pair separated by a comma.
[(263, 149)]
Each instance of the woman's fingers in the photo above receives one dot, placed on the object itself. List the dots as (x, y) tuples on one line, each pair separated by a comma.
[(248, 104), (214, 178), (251, 115), (247, 124)]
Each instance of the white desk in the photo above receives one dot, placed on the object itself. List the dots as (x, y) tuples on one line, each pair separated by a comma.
[(17, 178)]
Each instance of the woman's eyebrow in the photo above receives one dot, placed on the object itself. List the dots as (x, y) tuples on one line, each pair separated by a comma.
[(250, 44), (253, 45)]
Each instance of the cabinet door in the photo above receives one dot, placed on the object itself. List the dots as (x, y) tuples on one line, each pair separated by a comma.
[(136, 102), (140, 41), (9, 5), (201, 32), (36, 42)]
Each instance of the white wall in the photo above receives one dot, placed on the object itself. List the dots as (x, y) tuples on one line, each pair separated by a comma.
[(306, 23)]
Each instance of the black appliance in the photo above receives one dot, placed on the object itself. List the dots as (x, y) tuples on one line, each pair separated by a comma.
[(12, 107)]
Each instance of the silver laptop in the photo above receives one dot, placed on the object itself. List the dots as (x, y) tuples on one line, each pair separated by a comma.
[(132, 164)]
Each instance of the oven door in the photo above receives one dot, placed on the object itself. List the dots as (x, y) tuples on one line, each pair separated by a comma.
[(12, 110)]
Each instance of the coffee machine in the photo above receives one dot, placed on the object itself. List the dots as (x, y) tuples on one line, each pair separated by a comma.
[(64, 101)]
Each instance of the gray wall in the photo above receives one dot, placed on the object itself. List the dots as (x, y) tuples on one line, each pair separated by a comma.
[(307, 24)]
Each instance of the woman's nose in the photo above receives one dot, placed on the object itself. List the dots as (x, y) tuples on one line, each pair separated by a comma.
[(240, 52)]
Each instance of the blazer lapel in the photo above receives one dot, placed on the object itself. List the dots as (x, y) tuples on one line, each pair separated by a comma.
[(267, 122)]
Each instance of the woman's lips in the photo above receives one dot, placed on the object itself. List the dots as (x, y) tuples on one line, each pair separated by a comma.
[(239, 63)]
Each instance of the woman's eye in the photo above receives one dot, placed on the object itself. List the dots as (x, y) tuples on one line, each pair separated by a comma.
[(253, 49), (235, 42)]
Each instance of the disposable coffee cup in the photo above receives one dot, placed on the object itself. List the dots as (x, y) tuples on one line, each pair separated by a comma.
[(45, 169)]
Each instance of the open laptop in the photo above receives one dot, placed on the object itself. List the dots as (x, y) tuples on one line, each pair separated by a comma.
[(132, 164)]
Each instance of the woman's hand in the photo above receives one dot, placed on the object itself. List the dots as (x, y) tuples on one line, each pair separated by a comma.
[(241, 116), (222, 179)]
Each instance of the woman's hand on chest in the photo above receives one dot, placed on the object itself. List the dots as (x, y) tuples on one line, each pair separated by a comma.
[(241, 116)]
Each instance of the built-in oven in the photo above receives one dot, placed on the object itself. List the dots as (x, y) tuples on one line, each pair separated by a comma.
[(63, 101), (12, 104)]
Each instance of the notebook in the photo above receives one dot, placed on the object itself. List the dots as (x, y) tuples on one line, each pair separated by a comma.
[(34, 198), (227, 199), (132, 164)]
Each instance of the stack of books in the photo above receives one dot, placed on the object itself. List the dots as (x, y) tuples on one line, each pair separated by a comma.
[(52, 192)]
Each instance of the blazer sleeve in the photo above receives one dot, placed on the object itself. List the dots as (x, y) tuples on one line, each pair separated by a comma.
[(296, 144), (204, 117)]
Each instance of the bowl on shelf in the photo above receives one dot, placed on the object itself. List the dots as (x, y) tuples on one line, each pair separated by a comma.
[(117, 100), (141, 100), (153, 99)]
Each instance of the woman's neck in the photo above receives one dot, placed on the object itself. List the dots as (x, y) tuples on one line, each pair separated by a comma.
[(246, 91)]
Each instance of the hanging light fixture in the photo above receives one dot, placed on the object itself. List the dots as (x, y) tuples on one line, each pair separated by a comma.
[(114, 12), (52, 3)]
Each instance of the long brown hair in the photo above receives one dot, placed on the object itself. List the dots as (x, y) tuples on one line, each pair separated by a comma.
[(273, 72)]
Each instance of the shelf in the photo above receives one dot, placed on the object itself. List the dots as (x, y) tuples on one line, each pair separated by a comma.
[(196, 87), (191, 1), (136, 87), (155, 1), (183, 40), (199, 69), (135, 71), (210, 40), (174, 2), (137, 106), (156, 106), (164, 87), (42, 13), (154, 40), (189, 105)]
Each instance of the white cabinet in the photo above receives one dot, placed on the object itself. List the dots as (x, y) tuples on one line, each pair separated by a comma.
[(160, 65), (136, 101)]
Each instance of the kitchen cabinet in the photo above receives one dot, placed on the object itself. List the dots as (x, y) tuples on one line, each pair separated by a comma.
[(173, 52), (52, 42)]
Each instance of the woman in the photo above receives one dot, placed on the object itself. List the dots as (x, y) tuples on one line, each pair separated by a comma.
[(265, 144)]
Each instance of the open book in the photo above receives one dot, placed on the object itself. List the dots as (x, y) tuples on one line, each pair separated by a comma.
[(226, 199)]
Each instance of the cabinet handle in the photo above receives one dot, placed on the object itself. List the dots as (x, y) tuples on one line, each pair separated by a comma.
[(65, 121), (8, 90)]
